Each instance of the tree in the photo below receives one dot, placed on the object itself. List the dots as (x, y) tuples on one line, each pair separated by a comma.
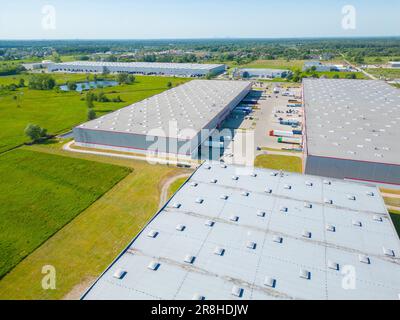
[(42, 82), (35, 132), (125, 78), (91, 114), (71, 85), (336, 76), (169, 84), (90, 97), (351, 76), (21, 83)]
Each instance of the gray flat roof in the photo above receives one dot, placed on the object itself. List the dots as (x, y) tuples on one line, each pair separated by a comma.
[(352, 119), (230, 239), (192, 105), (156, 65)]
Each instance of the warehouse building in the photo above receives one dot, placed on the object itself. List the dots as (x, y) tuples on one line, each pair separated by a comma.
[(260, 73), (174, 122), (145, 68), (232, 233), (352, 130)]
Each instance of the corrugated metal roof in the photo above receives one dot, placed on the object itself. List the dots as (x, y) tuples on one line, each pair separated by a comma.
[(261, 256), (352, 119)]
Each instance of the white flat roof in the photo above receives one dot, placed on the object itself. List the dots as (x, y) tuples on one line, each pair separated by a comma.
[(352, 119), (155, 65), (192, 105), (230, 239)]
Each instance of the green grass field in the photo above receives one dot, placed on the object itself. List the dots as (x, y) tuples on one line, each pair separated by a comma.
[(385, 73), (83, 248), (40, 193), (395, 215), (60, 111), (175, 186), (279, 162)]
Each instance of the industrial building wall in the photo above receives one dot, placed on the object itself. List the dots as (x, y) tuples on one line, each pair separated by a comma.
[(352, 169), (130, 142)]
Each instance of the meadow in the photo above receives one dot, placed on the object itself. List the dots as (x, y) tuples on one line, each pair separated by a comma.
[(279, 162), (61, 111), (40, 193)]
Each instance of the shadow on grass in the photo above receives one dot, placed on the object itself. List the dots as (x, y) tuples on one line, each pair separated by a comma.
[(396, 221)]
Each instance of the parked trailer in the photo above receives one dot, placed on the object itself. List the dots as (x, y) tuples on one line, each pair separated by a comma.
[(290, 140), (290, 122), (294, 105), (280, 133), (297, 132)]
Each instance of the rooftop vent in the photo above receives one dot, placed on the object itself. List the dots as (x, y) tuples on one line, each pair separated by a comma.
[(273, 174), (223, 197), (189, 258), (254, 174), (197, 296), (234, 218), (364, 259), (119, 274), (309, 183), (199, 200), (306, 234), (235, 178), (245, 194), (328, 201), (377, 218), (357, 223), (180, 227), (330, 228), (268, 190), (194, 184), (283, 209), (287, 186), (154, 265), (351, 197), (207, 167), (251, 245), (176, 205), (152, 234), (261, 213), (269, 282), (213, 181), (305, 274), (307, 205), (277, 239), (223, 166), (327, 182), (388, 252), (237, 291), (370, 193), (219, 251), (209, 223), (333, 265)]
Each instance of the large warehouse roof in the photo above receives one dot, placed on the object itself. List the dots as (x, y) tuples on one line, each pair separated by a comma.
[(155, 65), (353, 119), (192, 105), (230, 233)]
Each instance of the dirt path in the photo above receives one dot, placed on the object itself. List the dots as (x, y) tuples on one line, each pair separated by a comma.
[(77, 291), (167, 184)]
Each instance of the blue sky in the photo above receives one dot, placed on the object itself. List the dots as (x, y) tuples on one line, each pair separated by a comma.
[(156, 19)]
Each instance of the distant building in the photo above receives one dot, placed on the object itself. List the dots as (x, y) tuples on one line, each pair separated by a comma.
[(37, 65), (394, 64), (260, 73), (146, 68), (352, 130), (232, 233), (319, 66)]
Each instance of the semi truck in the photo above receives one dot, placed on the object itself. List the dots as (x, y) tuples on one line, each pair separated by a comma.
[(290, 140)]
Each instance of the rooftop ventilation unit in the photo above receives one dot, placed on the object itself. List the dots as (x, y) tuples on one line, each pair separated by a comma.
[(377, 218), (180, 227), (351, 197), (268, 190), (307, 205), (199, 200), (237, 291), (327, 182), (305, 274), (219, 251), (251, 245), (235, 178), (277, 239), (223, 166), (119, 274), (370, 193), (283, 209), (154, 265), (333, 265), (388, 252), (197, 296), (306, 234), (209, 223), (207, 167), (364, 259), (269, 282), (328, 201), (330, 228), (194, 184), (309, 183), (261, 213), (287, 186), (273, 174), (357, 223), (254, 175), (234, 218), (176, 205), (189, 259), (152, 234), (245, 194), (213, 181), (223, 197)]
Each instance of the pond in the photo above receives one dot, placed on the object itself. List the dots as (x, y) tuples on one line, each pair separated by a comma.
[(91, 85)]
